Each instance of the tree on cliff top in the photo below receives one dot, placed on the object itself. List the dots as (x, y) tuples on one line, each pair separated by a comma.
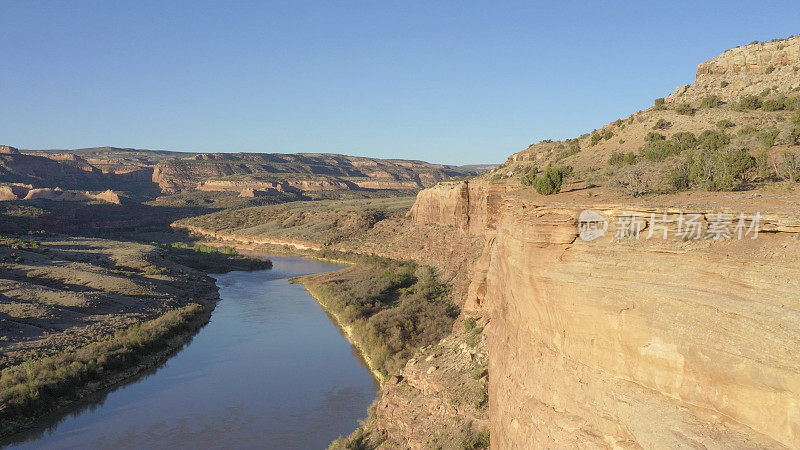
[(550, 182)]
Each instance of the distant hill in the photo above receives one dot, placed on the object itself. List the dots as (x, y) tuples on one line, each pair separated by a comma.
[(149, 173)]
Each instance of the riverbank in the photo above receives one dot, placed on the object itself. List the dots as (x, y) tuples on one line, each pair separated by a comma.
[(36, 388), (80, 315), (270, 368), (387, 309)]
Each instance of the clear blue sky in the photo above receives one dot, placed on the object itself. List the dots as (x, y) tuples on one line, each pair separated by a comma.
[(456, 82)]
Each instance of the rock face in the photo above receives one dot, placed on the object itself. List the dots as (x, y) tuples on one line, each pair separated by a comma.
[(630, 343), (746, 70)]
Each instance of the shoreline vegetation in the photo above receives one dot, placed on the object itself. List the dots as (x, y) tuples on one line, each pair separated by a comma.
[(387, 309), (31, 390), (34, 387)]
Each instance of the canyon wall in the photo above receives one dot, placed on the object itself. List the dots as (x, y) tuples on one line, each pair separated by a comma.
[(746, 70), (625, 342)]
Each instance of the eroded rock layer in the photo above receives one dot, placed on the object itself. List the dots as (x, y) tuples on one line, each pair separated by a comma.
[(626, 342)]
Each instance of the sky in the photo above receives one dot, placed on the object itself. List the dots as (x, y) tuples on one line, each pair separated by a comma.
[(457, 82)]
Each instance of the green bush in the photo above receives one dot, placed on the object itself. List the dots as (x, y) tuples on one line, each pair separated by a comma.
[(724, 124), (684, 109), (573, 149), (789, 166), (762, 163), (796, 117), (574, 146), (653, 136), (774, 104), (748, 130), (749, 102), (529, 176), (767, 137), (770, 69), (619, 159), (657, 150), (659, 104), (684, 140), (662, 124), (794, 135), (550, 182), (595, 139), (712, 101), (723, 169), (724, 84), (608, 135), (679, 178), (713, 140)]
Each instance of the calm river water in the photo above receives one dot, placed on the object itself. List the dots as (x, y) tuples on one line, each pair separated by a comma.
[(269, 371)]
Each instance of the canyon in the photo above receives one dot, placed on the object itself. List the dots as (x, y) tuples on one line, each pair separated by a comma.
[(638, 339), (642, 336)]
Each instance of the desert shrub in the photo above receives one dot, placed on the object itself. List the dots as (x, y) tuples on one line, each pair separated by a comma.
[(767, 137), (724, 124), (608, 135), (748, 130), (657, 150), (573, 149), (659, 104), (791, 103), (765, 92), (529, 176), (595, 139), (619, 159), (684, 109), (794, 135), (684, 140), (724, 84), (634, 182), (393, 307), (652, 136), (796, 117), (788, 166), (713, 140), (477, 441), (749, 102), (722, 169), (762, 164), (774, 104), (662, 124), (679, 177), (770, 69), (712, 101), (550, 182)]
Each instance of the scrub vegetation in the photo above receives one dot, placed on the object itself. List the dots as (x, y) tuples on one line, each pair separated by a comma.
[(391, 307)]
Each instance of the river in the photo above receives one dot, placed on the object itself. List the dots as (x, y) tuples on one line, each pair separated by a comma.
[(270, 370)]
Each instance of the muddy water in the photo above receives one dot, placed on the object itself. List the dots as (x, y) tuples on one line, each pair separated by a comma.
[(270, 370)]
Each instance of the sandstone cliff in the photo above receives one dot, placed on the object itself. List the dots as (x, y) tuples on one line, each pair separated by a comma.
[(632, 343)]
